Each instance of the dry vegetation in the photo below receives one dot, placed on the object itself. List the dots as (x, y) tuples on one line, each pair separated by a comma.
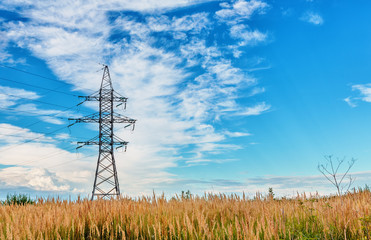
[(208, 217)]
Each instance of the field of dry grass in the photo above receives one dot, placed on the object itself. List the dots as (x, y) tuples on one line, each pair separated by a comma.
[(207, 217)]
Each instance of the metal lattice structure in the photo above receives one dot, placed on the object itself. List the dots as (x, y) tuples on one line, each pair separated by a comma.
[(106, 184)]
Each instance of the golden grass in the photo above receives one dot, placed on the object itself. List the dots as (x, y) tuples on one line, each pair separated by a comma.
[(207, 217)]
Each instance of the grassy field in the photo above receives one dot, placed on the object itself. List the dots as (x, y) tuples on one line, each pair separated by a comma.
[(207, 217)]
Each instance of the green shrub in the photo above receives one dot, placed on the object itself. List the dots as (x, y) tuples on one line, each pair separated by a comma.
[(20, 199)]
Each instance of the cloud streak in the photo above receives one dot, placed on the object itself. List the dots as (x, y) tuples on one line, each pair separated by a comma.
[(312, 18), (363, 94), (283, 186), (9, 96), (254, 110), (247, 36), (240, 10)]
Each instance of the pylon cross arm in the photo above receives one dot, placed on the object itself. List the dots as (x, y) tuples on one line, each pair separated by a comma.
[(105, 98), (97, 119), (110, 143)]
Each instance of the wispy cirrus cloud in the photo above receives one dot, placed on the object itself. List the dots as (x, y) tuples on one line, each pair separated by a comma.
[(240, 10), (247, 36), (9, 96), (256, 91), (237, 134), (13, 134), (312, 17), (364, 90), (15, 100), (350, 102), (193, 23), (363, 94), (235, 15), (254, 110)]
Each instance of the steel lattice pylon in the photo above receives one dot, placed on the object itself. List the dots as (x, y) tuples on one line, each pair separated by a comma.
[(106, 184)]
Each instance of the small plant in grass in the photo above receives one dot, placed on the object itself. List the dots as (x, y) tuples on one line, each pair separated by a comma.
[(366, 226), (270, 194), (330, 170), (186, 195)]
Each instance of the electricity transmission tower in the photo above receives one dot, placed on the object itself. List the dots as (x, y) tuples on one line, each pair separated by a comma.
[(106, 184)]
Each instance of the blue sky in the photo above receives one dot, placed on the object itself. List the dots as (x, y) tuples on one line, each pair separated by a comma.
[(230, 96)]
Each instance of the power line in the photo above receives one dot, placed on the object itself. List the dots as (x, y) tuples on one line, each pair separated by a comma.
[(14, 134), (66, 162), (31, 85), (50, 155), (35, 100), (33, 139), (34, 74), (50, 115), (30, 99), (30, 140), (57, 165), (53, 154), (47, 156), (38, 75), (33, 113)]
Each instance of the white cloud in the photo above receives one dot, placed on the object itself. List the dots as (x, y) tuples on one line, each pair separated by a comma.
[(350, 102), (235, 15), (312, 17), (5, 57), (74, 12), (247, 37), (12, 100), (364, 94), (36, 178), (255, 110), (30, 109), (203, 161), (216, 148), (52, 120), (256, 91), (194, 23), (237, 134), (62, 136), (9, 96), (213, 93), (239, 10), (13, 134), (364, 90)]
